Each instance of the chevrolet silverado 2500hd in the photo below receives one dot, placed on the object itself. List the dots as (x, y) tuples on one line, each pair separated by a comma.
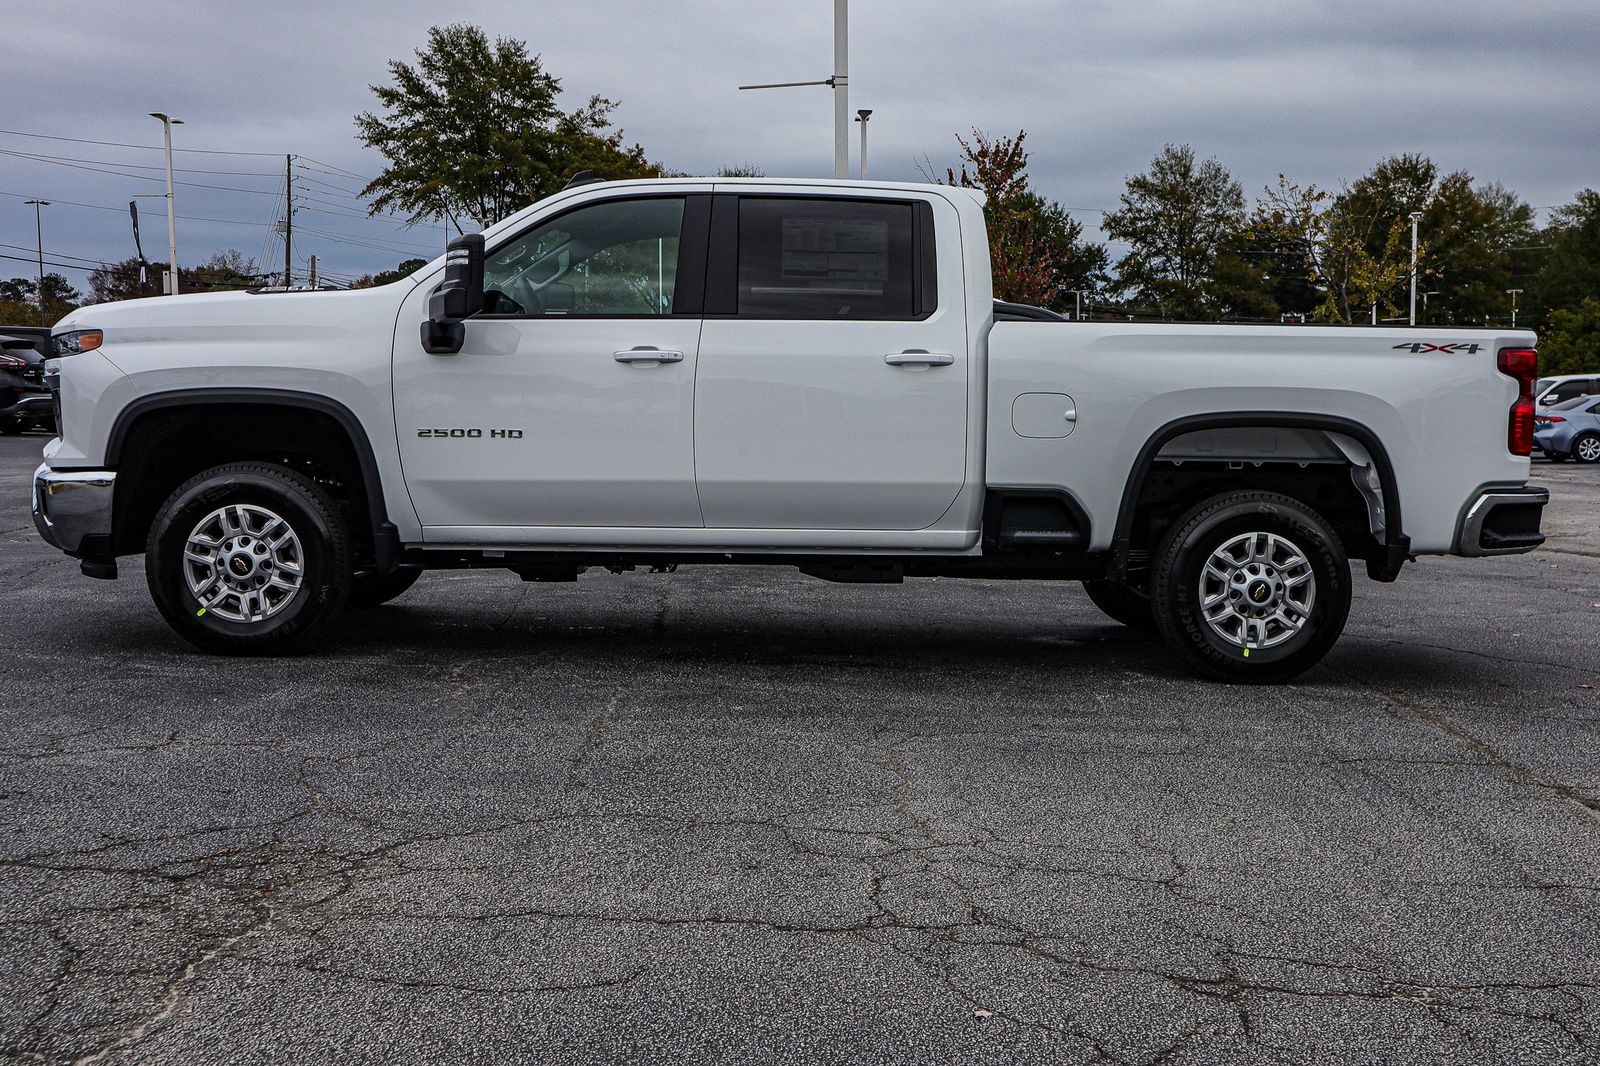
[(811, 373)]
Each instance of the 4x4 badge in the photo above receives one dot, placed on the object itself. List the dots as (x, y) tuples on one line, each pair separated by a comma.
[(1419, 347)]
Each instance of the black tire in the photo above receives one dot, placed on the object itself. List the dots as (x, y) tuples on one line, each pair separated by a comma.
[(1587, 442), (373, 590), (1556, 457), (323, 554), (1121, 603), (1176, 595)]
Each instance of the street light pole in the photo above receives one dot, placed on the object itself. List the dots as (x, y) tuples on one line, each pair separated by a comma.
[(841, 89), (167, 122), (840, 83), (1416, 216), (38, 233), (862, 116), (1514, 294)]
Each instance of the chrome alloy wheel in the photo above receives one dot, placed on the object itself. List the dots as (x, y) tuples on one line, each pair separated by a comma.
[(1256, 590), (243, 563), (1589, 449)]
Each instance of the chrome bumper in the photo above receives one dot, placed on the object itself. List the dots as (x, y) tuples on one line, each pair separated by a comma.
[(71, 506), (1503, 522)]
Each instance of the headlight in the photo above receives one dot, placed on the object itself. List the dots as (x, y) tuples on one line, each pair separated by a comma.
[(78, 341)]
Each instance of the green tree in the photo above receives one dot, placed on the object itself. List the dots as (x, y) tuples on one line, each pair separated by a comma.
[(1571, 342), (1367, 250), (1286, 237), (1570, 272), (473, 130), (120, 281), (1184, 220), (1037, 253), (226, 270), (385, 277), (20, 305)]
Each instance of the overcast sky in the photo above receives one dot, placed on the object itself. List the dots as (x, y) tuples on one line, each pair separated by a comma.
[(1508, 91)]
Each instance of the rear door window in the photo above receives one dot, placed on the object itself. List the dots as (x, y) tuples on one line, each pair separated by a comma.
[(827, 258)]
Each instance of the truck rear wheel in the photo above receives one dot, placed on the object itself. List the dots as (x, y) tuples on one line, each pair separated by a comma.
[(1251, 587), (1121, 603), (249, 559)]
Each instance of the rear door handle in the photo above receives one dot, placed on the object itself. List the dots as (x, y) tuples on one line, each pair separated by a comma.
[(646, 354), (918, 357)]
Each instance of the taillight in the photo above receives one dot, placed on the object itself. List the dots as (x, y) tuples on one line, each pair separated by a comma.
[(1522, 364), (1549, 418)]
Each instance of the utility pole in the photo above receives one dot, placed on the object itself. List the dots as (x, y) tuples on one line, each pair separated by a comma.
[(862, 116), (1514, 294), (1077, 299), (288, 218), (840, 83), (1416, 216), (313, 272), (167, 122), (38, 233)]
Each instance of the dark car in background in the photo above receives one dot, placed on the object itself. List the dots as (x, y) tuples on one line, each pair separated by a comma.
[(25, 401), (1569, 430)]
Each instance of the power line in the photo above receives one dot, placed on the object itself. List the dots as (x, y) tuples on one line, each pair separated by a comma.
[(124, 211), (350, 238), (125, 174), (338, 170), (120, 144), (136, 166), (33, 260), (59, 255)]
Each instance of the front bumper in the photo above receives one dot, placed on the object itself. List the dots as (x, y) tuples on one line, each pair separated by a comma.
[(1502, 522), (72, 509)]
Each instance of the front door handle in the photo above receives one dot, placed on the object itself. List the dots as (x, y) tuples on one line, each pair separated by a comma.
[(918, 357), (646, 354)]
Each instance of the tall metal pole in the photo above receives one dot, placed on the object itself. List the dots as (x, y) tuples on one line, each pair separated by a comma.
[(38, 233), (841, 89), (1514, 293), (167, 122), (288, 217), (862, 116), (1416, 216)]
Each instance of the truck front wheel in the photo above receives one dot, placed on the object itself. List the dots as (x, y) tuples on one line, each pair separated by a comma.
[(1251, 587), (249, 559)]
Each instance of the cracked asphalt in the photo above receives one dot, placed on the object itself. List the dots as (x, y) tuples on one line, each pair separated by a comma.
[(739, 815)]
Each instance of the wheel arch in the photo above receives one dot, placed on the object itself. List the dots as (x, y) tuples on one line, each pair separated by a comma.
[(1395, 546), (370, 511)]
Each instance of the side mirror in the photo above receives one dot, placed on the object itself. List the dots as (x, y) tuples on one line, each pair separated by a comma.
[(458, 297)]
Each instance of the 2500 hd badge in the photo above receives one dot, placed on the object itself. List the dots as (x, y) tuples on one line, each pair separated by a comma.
[(471, 434)]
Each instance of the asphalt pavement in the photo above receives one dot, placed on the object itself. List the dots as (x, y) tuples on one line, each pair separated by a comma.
[(741, 815)]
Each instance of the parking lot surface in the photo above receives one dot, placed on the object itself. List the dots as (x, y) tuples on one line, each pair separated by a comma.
[(743, 815)]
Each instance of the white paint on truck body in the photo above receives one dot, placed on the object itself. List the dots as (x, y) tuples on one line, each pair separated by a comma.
[(785, 436)]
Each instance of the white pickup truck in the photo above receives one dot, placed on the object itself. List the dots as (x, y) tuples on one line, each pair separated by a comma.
[(811, 373)]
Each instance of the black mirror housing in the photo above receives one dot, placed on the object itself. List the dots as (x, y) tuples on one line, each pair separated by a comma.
[(458, 297)]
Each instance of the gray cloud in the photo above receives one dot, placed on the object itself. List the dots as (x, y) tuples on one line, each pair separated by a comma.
[(1315, 90)]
